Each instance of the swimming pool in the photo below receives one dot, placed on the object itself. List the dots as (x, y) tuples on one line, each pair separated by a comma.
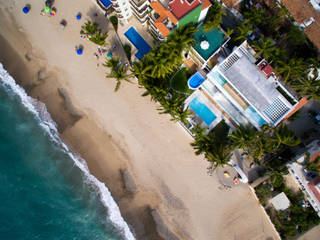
[(105, 3), (135, 38), (202, 111), (255, 116), (195, 80)]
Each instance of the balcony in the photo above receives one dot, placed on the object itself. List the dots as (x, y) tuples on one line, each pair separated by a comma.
[(140, 10), (114, 1), (142, 18), (141, 13), (139, 3), (118, 10)]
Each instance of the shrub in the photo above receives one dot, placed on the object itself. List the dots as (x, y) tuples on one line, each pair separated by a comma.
[(127, 50), (114, 21)]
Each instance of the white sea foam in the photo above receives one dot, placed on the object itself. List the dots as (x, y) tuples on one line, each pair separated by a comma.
[(40, 111)]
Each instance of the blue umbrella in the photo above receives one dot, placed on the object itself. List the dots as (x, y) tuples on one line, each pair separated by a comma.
[(26, 9), (79, 51), (78, 16)]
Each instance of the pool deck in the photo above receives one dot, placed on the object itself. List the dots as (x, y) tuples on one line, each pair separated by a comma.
[(142, 30), (198, 94)]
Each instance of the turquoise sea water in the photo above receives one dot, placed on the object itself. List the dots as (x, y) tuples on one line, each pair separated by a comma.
[(45, 191)]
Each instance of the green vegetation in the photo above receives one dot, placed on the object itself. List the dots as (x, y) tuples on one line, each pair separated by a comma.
[(114, 21), (127, 50), (214, 17), (95, 33), (118, 71), (290, 51), (296, 219), (179, 81), (312, 166)]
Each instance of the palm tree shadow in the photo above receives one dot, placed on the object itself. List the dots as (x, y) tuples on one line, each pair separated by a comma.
[(95, 15)]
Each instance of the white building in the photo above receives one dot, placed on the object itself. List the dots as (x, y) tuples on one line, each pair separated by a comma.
[(244, 91), (140, 9), (122, 8), (308, 182)]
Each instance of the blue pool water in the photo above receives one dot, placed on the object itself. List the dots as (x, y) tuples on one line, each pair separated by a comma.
[(105, 3), (219, 78), (202, 111), (135, 38), (46, 191), (195, 80), (255, 116)]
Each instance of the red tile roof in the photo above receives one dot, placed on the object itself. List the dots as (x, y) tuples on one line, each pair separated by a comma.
[(230, 3), (315, 189), (206, 4), (180, 8)]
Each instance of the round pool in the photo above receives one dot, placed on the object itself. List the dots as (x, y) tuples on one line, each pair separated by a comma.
[(195, 81)]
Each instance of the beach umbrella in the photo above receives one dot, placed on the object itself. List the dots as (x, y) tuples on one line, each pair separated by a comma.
[(26, 9), (52, 13), (78, 16), (79, 51)]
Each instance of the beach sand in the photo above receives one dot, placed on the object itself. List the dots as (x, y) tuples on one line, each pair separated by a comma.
[(145, 159)]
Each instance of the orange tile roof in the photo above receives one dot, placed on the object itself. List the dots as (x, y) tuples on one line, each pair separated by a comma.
[(206, 4), (164, 13), (162, 28), (301, 11), (314, 156)]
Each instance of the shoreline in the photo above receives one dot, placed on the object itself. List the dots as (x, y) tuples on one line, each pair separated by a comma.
[(145, 160), (74, 127)]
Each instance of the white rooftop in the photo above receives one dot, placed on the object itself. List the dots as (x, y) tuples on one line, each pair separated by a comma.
[(280, 202)]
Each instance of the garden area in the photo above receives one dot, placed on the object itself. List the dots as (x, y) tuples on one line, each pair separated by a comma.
[(295, 220)]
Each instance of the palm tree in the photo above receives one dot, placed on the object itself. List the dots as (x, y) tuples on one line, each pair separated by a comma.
[(118, 72), (201, 141), (292, 69), (214, 17), (243, 31), (141, 71), (229, 32), (95, 33), (307, 86), (219, 155), (243, 136), (256, 16), (283, 135), (312, 166), (264, 46)]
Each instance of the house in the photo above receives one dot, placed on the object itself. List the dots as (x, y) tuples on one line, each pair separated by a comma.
[(206, 47), (307, 16), (122, 8), (243, 91), (280, 202), (166, 15), (233, 5), (307, 181)]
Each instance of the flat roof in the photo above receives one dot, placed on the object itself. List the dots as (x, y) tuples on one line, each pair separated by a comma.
[(180, 8), (214, 37), (252, 84)]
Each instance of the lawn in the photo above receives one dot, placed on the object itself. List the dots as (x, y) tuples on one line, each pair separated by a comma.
[(179, 81)]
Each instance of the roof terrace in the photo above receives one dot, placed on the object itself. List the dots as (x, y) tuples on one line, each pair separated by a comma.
[(180, 8), (207, 43)]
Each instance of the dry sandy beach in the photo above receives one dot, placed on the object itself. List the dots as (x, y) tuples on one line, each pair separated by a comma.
[(144, 158)]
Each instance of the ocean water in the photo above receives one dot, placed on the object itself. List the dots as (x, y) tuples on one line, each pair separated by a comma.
[(46, 192)]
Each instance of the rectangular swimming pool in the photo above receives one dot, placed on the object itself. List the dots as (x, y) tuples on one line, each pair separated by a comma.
[(202, 111), (135, 38)]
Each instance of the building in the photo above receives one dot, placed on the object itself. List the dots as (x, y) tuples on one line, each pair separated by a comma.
[(233, 5), (242, 91), (280, 202), (307, 16), (308, 182), (206, 47), (140, 9), (122, 8), (166, 15)]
